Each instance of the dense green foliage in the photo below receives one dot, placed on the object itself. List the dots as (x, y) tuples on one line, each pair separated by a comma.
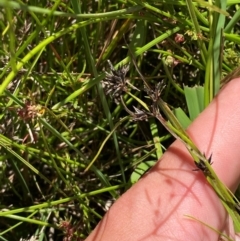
[(68, 148)]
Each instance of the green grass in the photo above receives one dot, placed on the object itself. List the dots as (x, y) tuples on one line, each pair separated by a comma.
[(66, 147)]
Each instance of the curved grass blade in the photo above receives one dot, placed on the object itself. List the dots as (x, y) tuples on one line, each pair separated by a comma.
[(215, 230), (104, 142)]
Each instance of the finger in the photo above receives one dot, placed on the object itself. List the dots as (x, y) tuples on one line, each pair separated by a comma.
[(156, 207)]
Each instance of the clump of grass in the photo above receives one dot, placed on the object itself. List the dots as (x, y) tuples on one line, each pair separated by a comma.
[(67, 148)]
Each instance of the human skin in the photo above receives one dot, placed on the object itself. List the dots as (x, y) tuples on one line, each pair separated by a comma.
[(155, 208)]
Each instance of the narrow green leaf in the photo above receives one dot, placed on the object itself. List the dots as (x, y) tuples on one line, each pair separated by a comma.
[(140, 170), (195, 100), (182, 117)]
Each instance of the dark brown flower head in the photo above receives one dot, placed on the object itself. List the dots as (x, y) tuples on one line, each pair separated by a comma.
[(201, 165), (140, 115), (155, 93), (115, 82)]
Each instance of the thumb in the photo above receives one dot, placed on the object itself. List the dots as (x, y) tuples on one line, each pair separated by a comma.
[(155, 208), (217, 132)]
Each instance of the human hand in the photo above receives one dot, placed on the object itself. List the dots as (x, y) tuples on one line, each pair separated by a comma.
[(155, 208)]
